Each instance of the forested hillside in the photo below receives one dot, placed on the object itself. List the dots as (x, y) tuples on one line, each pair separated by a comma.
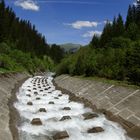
[(22, 47), (113, 55), (70, 47)]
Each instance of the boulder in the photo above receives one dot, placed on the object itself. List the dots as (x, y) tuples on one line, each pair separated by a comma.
[(61, 135), (38, 98), (28, 95), (65, 118), (59, 95), (36, 121), (29, 103), (95, 130), (89, 115), (66, 108), (56, 98), (36, 93), (42, 110), (51, 102)]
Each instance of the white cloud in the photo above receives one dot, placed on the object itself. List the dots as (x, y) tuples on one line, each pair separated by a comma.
[(27, 4), (107, 21), (92, 33), (137, 3), (81, 24)]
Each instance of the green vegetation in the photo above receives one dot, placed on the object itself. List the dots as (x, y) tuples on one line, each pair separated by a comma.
[(114, 55), (109, 81), (22, 47), (70, 47), (16, 60)]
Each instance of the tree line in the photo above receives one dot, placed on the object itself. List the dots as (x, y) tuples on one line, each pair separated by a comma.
[(113, 55), (21, 35)]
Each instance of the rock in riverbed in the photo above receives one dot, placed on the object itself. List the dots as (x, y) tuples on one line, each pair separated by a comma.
[(42, 110), (61, 135), (35, 93), (59, 95), (95, 130), (51, 102), (38, 98), (88, 116), (29, 103), (28, 95), (65, 118), (36, 121), (66, 108)]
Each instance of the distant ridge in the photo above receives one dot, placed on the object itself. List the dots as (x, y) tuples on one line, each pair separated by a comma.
[(70, 47)]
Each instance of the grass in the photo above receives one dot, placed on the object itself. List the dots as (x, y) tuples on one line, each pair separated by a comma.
[(108, 81), (3, 70)]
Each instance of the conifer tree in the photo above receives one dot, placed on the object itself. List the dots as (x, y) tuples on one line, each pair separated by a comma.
[(119, 26), (106, 35), (129, 18), (138, 13), (23, 34), (95, 41)]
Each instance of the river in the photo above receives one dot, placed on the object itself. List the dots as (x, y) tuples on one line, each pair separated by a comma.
[(47, 114)]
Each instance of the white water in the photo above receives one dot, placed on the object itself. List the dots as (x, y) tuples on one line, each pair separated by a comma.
[(76, 127)]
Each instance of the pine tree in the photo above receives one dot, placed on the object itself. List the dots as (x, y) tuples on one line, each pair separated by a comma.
[(114, 27), (133, 31), (119, 26), (129, 18), (95, 41), (138, 13), (2, 10), (106, 35)]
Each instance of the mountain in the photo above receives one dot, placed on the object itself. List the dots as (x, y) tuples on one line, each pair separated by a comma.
[(70, 47)]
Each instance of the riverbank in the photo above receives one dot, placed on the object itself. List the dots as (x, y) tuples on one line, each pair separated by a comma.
[(79, 90), (119, 103), (50, 112), (8, 81)]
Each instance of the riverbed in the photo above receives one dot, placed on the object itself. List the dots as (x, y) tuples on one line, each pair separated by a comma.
[(48, 114)]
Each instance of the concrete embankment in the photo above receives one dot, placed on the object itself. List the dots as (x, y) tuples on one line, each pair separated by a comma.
[(7, 85), (118, 101)]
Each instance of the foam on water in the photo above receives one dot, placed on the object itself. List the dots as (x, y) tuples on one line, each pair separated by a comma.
[(76, 127)]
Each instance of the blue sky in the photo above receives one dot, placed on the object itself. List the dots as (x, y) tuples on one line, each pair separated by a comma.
[(69, 21)]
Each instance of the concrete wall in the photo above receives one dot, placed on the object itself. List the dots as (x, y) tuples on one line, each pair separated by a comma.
[(120, 100), (7, 83)]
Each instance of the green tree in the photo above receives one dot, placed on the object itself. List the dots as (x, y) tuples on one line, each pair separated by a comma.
[(133, 31), (95, 41), (56, 53), (133, 63), (106, 35), (119, 27), (130, 16), (138, 13)]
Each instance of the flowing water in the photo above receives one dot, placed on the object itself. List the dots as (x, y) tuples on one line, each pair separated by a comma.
[(39, 93)]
